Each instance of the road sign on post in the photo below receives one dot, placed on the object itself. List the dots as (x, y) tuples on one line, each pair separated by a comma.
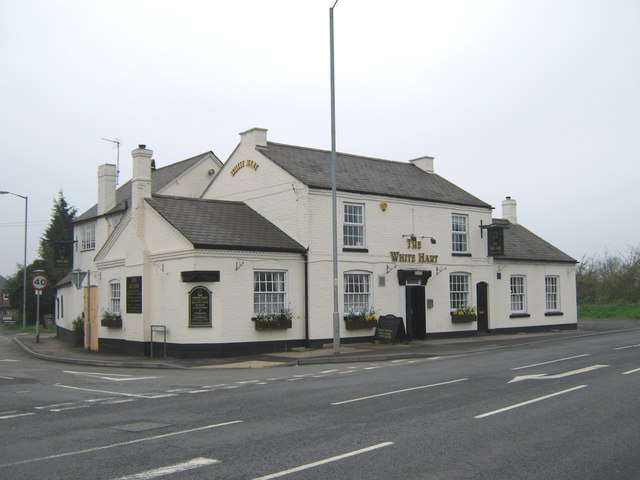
[(40, 281)]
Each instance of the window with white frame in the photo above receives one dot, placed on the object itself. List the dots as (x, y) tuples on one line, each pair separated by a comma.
[(5, 296), (459, 297), (459, 233), (357, 292), (518, 284), (269, 291), (551, 292), (88, 240), (353, 226), (114, 297)]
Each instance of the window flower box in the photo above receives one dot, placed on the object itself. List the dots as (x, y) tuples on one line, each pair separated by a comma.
[(464, 314), (464, 318), (111, 320), (359, 324), (360, 320), (273, 321)]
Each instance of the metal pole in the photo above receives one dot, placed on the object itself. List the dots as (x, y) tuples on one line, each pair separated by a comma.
[(89, 309), (336, 314), (24, 270), (38, 293)]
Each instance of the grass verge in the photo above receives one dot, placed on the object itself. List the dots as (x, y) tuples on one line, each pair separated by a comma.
[(609, 310)]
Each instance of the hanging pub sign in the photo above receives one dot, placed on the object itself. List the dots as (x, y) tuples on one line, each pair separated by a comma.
[(495, 241), (134, 294), (63, 254), (200, 307)]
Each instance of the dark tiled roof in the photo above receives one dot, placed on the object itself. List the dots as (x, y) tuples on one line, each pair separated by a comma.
[(159, 179), (367, 175), (223, 224), (521, 244)]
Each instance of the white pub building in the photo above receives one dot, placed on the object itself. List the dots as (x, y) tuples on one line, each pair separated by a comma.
[(236, 258)]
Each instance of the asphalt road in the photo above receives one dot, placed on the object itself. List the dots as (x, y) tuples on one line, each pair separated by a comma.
[(566, 409)]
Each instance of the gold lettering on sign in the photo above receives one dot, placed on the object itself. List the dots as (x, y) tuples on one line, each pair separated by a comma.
[(412, 258), (252, 164)]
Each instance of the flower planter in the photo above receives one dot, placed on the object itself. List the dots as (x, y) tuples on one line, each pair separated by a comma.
[(278, 324), (359, 324), (111, 322), (464, 318)]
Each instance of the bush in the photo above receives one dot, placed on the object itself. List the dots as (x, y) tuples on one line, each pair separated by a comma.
[(78, 331)]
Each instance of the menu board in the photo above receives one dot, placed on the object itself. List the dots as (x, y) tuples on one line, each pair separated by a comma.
[(134, 294), (200, 307)]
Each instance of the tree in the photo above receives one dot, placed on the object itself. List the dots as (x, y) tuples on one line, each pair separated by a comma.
[(60, 229)]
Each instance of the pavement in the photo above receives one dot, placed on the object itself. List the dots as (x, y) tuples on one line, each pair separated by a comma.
[(51, 348)]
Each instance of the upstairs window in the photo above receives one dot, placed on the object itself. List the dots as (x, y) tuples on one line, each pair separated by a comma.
[(459, 233), (353, 226), (88, 240)]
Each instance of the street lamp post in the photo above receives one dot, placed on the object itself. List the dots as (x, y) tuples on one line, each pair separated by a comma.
[(24, 266), (336, 314)]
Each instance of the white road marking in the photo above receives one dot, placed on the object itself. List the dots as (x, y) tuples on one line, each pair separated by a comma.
[(15, 415), (54, 405), (399, 391), (171, 469), (325, 461), (98, 400), (114, 377), (551, 361), (75, 407), (120, 444), (544, 376), (528, 402), (8, 360), (135, 395), (628, 346), (329, 371), (631, 371), (7, 378)]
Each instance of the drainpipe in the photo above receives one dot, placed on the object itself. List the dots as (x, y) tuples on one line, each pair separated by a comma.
[(306, 297)]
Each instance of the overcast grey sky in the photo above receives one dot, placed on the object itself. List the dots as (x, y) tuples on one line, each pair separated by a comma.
[(535, 99)]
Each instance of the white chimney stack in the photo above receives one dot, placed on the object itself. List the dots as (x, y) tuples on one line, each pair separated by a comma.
[(424, 163), (509, 210), (141, 181), (255, 136), (106, 188)]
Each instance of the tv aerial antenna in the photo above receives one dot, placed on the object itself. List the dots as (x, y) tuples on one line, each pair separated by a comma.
[(116, 142)]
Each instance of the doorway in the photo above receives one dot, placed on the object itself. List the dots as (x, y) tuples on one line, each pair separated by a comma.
[(416, 313), (483, 306)]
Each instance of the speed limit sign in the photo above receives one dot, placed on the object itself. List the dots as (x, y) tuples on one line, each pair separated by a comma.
[(40, 281)]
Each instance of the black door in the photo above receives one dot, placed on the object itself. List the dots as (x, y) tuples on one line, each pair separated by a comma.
[(416, 312), (483, 307)]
